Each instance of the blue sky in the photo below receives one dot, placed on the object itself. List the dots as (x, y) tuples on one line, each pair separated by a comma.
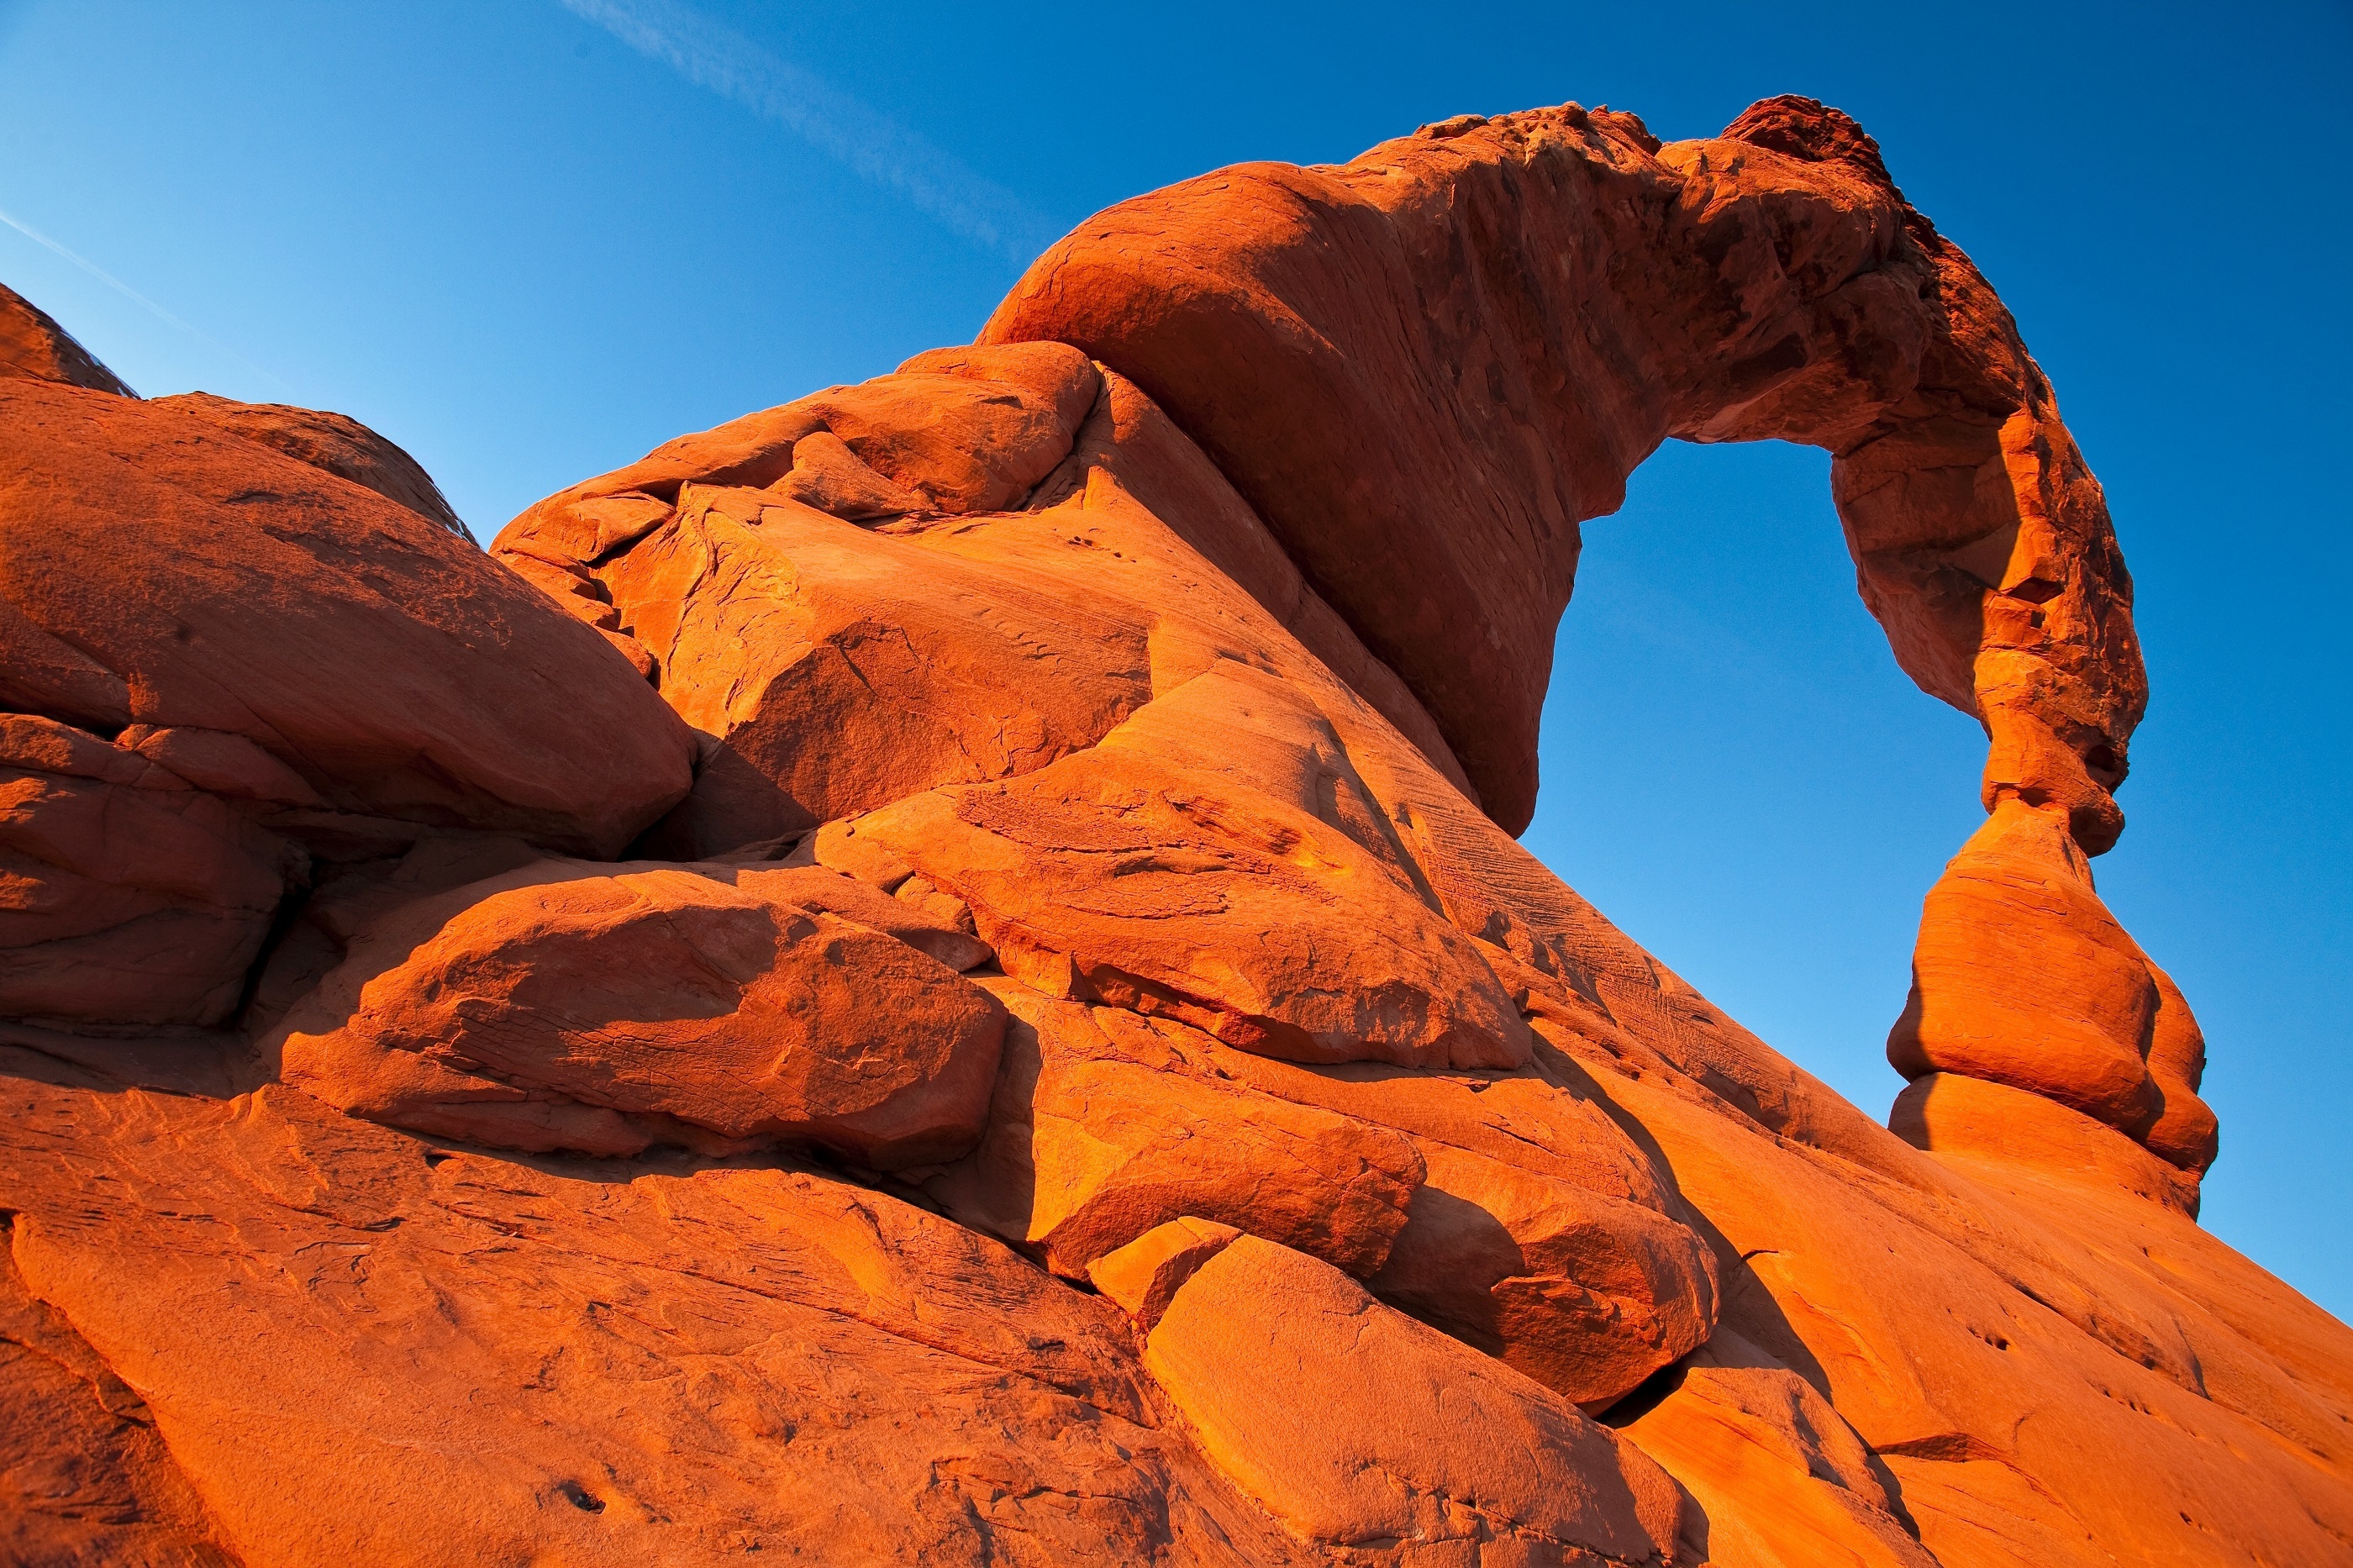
[(529, 240)]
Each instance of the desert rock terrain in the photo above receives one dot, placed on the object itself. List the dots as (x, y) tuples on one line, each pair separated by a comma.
[(942, 973)]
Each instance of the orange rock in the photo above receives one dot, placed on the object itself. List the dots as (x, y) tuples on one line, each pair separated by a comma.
[(1588, 1295), (210, 583), (1111, 876), (931, 923), (2184, 1131), (1142, 1277), (463, 1356), (840, 669), (555, 1007), (2022, 977), (1392, 363), (828, 476), (1968, 1119), (32, 345), (712, 600), (83, 1475), (970, 430), (1408, 1438), (1531, 1119), (224, 764), (125, 895), (2013, 1365), (1098, 1135), (1780, 1481), (334, 443), (988, 659)]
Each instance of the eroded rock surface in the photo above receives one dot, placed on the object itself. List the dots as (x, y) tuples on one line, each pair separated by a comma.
[(936, 974), (556, 1007)]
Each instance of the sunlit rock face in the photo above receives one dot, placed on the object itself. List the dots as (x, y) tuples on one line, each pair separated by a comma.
[(940, 974)]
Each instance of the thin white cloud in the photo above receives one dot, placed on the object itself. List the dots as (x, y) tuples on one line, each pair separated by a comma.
[(128, 292), (714, 55)]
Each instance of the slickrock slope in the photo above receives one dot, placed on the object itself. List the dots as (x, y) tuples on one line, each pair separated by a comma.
[(937, 974)]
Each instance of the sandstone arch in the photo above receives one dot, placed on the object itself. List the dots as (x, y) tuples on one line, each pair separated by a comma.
[(1424, 368)]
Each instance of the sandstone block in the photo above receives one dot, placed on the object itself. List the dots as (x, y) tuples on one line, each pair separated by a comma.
[(2022, 977), (1585, 1294), (210, 583), (1111, 876), (1098, 1135), (125, 896), (555, 1007), (1144, 1275), (1378, 1439)]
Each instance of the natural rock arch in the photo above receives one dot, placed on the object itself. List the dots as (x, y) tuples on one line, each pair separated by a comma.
[(1426, 367)]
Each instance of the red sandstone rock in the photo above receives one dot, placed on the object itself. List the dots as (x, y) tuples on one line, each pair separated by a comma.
[(1109, 877), (125, 895), (156, 570), (1144, 1275), (557, 1008), (1960, 1119), (1409, 1436), (1781, 1481), (454, 1357), (842, 670), (2022, 977), (1391, 361), (1098, 1134), (224, 764), (1585, 1294), (32, 345), (2184, 1131), (758, 619), (334, 443), (990, 660)]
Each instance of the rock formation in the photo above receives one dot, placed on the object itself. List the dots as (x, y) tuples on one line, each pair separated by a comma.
[(940, 974)]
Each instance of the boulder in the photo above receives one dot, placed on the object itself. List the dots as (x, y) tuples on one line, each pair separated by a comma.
[(126, 895), (1097, 1135), (1142, 1277), (561, 1007), (1375, 1439), (1111, 876), (2022, 977), (333, 443), (1585, 1294), (33, 346), (156, 570)]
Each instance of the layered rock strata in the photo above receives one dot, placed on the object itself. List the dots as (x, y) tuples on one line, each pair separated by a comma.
[(937, 974)]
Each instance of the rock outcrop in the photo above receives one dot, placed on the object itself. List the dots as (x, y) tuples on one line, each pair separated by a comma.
[(937, 974), (1426, 367), (334, 443), (32, 345), (2022, 977)]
